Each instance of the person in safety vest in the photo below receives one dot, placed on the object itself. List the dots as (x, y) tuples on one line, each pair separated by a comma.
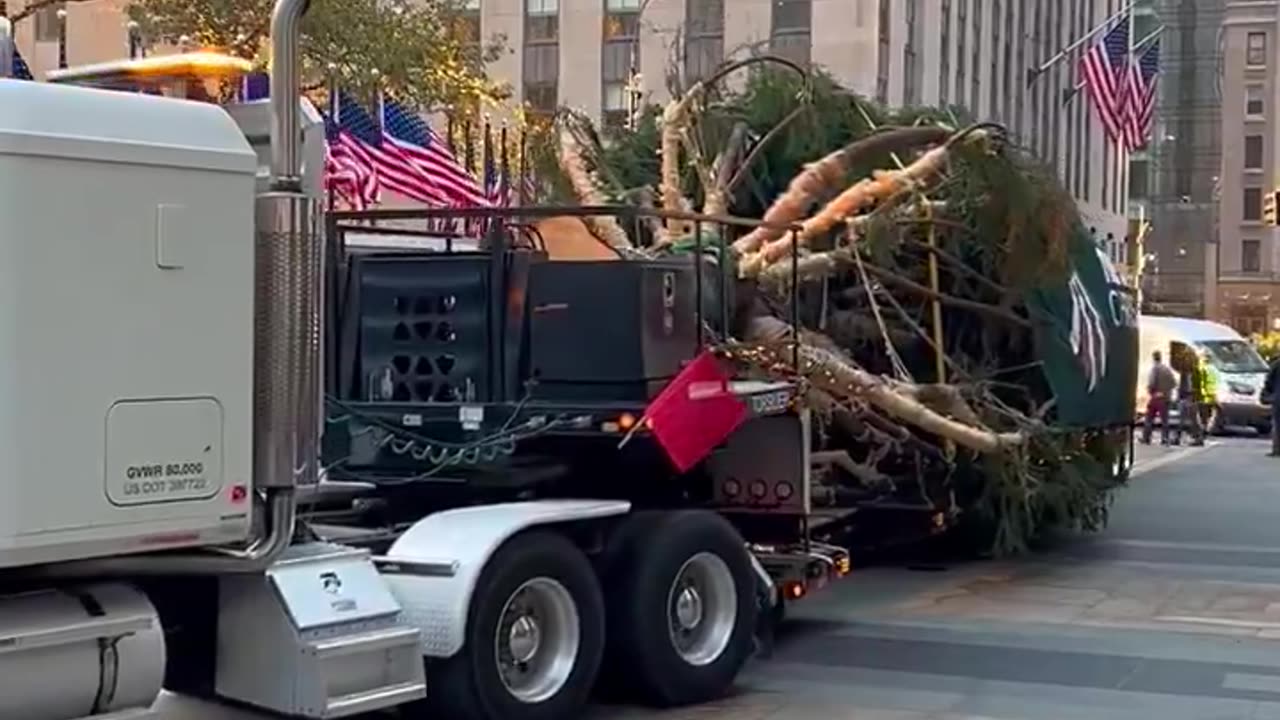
[(1197, 392)]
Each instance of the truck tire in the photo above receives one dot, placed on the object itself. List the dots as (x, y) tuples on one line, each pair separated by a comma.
[(534, 638), (688, 573)]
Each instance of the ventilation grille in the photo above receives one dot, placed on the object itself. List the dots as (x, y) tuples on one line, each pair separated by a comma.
[(423, 329)]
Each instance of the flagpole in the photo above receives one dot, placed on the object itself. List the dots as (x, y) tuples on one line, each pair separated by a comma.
[(1129, 69), (486, 148), (1142, 45), (379, 117), (469, 149), (62, 38), (331, 199), (524, 165), (451, 129), (486, 227), (333, 239), (1034, 73), (504, 173), (135, 39)]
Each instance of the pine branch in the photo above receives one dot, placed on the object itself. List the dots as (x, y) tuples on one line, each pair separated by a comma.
[(818, 178)]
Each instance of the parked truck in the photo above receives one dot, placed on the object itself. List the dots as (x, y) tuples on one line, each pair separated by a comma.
[(489, 535)]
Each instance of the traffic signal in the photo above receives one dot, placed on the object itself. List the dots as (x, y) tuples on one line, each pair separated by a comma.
[(1269, 203)]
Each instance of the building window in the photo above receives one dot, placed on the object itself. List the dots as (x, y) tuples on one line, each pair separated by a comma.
[(910, 64), (975, 93), (884, 36), (1253, 102), (1007, 71), (1139, 179), (704, 38), (1256, 50), (1020, 88), (1252, 204), (542, 55), (1250, 256), (791, 30), (944, 55), (1249, 319), (1048, 101), (467, 29), (1252, 152), (993, 95), (1070, 112), (47, 22), (1121, 202), (962, 53), (620, 59)]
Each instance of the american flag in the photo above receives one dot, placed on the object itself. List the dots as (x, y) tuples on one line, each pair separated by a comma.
[(495, 180), (428, 154), (394, 168), (348, 170), (1140, 98), (530, 187), (346, 174), (1103, 71)]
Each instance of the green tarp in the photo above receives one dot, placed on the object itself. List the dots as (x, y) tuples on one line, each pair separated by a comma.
[(1087, 338)]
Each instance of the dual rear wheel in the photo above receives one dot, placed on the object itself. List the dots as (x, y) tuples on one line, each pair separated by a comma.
[(672, 626)]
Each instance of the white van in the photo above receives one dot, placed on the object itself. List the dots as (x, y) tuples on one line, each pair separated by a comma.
[(1238, 369)]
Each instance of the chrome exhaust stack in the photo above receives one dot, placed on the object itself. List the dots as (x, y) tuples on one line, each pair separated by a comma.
[(286, 372), (287, 290)]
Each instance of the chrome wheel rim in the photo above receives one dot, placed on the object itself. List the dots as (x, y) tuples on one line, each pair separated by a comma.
[(537, 640), (702, 609)]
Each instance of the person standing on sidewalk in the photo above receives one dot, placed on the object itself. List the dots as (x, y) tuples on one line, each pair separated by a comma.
[(1161, 385), (1270, 389), (1186, 406)]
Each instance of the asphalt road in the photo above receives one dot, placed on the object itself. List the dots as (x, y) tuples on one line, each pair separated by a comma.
[(1172, 613)]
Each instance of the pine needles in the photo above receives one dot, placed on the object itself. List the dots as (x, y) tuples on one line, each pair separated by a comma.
[(902, 213)]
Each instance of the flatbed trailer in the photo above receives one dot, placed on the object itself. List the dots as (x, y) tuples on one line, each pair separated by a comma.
[(583, 438)]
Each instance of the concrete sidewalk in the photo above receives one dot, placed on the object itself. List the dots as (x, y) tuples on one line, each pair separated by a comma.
[(1155, 455)]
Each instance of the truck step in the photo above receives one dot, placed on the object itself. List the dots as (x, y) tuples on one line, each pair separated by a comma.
[(318, 636)]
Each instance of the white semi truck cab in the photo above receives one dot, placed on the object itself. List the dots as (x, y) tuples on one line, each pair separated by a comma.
[(161, 288)]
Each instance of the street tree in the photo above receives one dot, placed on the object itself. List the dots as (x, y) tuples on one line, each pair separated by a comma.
[(426, 53)]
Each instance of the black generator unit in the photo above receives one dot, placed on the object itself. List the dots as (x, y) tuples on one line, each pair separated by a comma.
[(615, 330), (470, 327), (430, 327)]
